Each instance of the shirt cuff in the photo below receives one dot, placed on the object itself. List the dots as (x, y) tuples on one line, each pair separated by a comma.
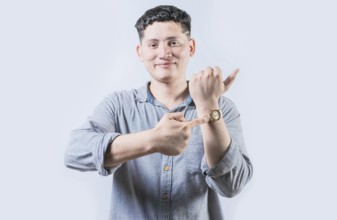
[(225, 165), (105, 142)]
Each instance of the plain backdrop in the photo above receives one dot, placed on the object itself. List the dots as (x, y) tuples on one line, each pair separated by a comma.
[(59, 59)]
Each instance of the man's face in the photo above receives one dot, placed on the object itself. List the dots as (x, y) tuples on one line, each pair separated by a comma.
[(165, 51)]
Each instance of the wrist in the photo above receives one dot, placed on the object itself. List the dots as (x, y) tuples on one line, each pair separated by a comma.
[(147, 142), (205, 110), (211, 112), (150, 141)]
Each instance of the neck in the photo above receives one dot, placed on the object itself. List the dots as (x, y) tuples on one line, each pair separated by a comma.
[(169, 94)]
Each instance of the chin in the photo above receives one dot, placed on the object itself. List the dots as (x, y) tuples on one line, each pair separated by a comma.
[(163, 75)]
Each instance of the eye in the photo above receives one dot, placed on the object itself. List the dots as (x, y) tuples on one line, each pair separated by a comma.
[(152, 45), (174, 43)]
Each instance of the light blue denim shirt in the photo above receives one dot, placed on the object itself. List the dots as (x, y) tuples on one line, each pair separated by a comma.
[(157, 186)]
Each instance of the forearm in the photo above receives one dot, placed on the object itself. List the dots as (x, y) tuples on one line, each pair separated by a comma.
[(168, 137), (216, 137), (127, 147), (234, 169)]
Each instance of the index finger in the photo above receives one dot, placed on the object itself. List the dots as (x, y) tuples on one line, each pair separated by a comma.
[(197, 121)]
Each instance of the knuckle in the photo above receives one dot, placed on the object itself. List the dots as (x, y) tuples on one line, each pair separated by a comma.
[(209, 69), (207, 74), (194, 77), (184, 136), (199, 74), (185, 129), (217, 69), (217, 75)]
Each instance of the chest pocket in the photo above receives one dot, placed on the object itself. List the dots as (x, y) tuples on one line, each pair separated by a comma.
[(194, 152), (193, 156)]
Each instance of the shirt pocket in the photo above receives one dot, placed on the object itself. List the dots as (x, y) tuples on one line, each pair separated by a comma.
[(193, 156)]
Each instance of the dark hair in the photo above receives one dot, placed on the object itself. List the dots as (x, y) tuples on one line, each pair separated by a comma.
[(163, 13)]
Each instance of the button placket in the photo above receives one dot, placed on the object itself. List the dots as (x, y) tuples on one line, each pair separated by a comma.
[(166, 186), (166, 168)]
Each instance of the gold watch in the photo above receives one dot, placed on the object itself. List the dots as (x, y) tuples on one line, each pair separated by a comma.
[(214, 115)]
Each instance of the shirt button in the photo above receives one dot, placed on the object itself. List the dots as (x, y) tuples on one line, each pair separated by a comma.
[(164, 196), (166, 168)]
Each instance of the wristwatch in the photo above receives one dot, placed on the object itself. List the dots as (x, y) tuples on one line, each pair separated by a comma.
[(214, 115)]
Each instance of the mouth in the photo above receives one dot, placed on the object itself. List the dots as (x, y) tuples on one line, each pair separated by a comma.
[(164, 64)]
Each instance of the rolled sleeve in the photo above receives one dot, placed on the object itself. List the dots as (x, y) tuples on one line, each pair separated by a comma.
[(231, 174), (87, 147), (89, 143), (225, 165), (98, 155)]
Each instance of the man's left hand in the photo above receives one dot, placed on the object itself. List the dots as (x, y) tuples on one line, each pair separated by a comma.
[(207, 86)]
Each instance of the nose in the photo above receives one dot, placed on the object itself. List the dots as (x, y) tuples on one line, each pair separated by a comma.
[(164, 52)]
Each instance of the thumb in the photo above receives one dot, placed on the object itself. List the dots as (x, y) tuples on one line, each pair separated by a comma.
[(197, 121), (230, 79)]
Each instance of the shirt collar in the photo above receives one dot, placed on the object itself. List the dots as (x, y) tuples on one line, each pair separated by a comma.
[(145, 95)]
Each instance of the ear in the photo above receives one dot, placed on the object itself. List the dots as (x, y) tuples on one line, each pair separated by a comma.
[(192, 47), (139, 52)]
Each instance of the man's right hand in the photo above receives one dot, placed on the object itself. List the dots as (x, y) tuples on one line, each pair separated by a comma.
[(170, 136)]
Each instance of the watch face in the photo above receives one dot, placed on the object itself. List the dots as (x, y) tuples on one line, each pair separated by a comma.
[(215, 115)]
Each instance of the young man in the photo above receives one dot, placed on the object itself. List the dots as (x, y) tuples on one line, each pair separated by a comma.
[(173, 145)]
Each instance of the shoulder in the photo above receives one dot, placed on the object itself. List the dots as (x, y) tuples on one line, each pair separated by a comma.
[(121, 96), (126, 96), (119, 99)]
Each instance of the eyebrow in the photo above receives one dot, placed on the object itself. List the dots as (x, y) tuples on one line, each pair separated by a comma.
[(169, 38)]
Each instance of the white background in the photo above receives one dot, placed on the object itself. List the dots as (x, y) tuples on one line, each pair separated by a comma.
[(59, 59)]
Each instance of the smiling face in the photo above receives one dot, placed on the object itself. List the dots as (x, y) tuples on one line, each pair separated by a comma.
[(165, 51)]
